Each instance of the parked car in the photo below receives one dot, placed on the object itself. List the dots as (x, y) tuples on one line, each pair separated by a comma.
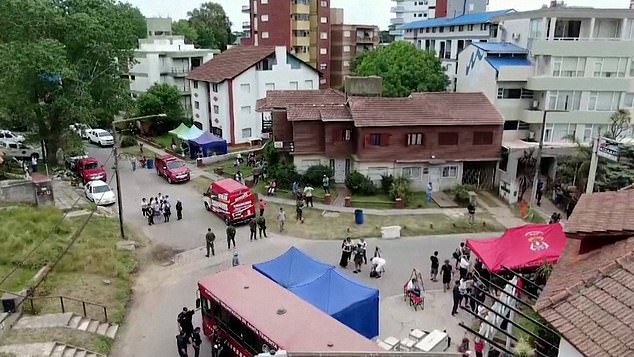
[(172, 168), (100, 193), (100, 137), (8, 135), (80, 129), (18, 150), (90, 170)]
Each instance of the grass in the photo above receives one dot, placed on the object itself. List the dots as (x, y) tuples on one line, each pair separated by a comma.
[(488, 200), (80, 273), (318, 193), (383, 201), (229, 170), (165, 140), (342, 224), (86, 340), (532, 216)]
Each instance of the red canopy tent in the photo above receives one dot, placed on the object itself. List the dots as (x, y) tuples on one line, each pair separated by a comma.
[(521, 247)]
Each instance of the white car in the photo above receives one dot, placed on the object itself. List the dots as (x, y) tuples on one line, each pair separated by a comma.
[(19, 150), (100, 193), (8, 135), (100, 137)]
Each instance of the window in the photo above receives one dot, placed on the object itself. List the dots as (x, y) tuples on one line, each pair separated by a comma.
[(323, 35), (483, 27), (452, 28), (375, 173), (265, 34), (413, 173), (245, 109), (324, 20), (470, 27), (482, 138), (346, 34), (216, 109), (324, 3), (308, 84), (433, 30), (294, 85), (269, 86), (447, 139), (246, 133), (564, 100), (535, 28), (609, 67), (346, 135), (214, 87), (264, 18), (323, 66), (603, 101), (245, 88), (323, 51), (346, 63), (196, 105), (264, 2), (375, 139), (562, 132), (509, 93), (414, 139), (461, 28), (628, 100), (589, 130), (441, 29), (195, 84), (569, 66), (132, 78), (450, 171), (346, 48)]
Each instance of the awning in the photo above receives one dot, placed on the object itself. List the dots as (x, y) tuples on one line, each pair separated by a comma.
[(180, 130)]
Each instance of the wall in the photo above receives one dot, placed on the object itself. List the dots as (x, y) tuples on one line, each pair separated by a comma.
[(308, 137), (17, 191), (457, 8), (278, 26), (509, 27), (567, 350), (282, 128), (335, 146), (481, 76), (303, 162), (375, 169)]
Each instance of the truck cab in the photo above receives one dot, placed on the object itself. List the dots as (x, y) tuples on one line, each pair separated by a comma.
[(172, 168), (230, 200), (89, 169)]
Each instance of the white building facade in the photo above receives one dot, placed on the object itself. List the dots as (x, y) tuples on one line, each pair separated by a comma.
[(224, 98), (406, 11), (166, 59)]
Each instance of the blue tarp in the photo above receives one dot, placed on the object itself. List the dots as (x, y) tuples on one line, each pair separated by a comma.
[(350, 302), (207, 143)]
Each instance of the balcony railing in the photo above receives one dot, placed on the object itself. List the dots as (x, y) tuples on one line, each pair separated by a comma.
[(180, 71), (366, 39), (397, 21), (246, 25), (246, 8), (397, 9)]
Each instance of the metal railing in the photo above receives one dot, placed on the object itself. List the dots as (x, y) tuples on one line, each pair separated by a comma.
[(180, 70)]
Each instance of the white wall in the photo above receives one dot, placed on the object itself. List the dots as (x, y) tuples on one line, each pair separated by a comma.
[(519, 26), (567, 350), (481, 77)]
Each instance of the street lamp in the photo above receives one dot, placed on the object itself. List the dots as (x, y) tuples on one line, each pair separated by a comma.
[(116, 161)]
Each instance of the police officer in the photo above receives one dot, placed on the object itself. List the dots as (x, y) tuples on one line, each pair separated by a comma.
[(253, 230), (181, 344), (196, 341), (210, 237), (261, 222), (231, 236)]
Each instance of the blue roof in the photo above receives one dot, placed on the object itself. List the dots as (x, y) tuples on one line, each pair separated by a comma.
[(498, 62), (500, 47), (476, 18)]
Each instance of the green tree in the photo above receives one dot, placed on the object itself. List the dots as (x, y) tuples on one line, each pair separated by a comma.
[(161, 98), (184, 27), (621, 122), (207, 27), (404, 68), (385, 37), (61, 62)]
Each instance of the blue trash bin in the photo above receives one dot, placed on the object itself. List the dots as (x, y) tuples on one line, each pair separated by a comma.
[(150, 164), (358, 216)]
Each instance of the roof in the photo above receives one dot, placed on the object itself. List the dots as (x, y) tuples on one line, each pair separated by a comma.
[(274, 311), (230, 185), (569, 11), (435, 108), (500, 47), (498, 62), (476, 18), (588, 297), (282, 99)]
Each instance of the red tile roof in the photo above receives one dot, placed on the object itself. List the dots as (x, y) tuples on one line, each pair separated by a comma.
[(425, 109), (283, 99), (230, 63), (318, 112), (591, 214)]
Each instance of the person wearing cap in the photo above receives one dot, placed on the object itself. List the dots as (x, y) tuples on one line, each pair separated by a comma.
[(236, 260)]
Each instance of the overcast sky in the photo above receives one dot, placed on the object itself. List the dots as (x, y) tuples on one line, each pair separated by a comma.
[(355, 11)]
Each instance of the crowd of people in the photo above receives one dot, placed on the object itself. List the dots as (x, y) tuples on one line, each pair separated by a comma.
[(357, 253), (159, 206)]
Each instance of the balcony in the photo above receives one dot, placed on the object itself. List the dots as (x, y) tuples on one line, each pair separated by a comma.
[(581, 47), (179, 71), (543, 83), (301, 25), (396, 32), (397, 9), (303, 41), (246, 9), (577, 117), (300, 9), (246, 25), (397, 21), (367, 39)]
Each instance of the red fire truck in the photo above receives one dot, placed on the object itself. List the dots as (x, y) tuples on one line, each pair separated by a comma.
[(230, 200), (255, 315)]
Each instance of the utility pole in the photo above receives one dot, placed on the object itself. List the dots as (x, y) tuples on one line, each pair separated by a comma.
[(594, 163), (538, 161)]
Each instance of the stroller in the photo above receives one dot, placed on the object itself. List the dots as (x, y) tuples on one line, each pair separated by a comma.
[(415, 300)]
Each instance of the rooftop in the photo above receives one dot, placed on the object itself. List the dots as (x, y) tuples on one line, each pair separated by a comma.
[(476, 18), (591, 218), (498, 62), (282, 99), (500, 47), (562, 12)]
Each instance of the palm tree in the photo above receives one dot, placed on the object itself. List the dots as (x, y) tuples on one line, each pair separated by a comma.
[(575, 168), (526, 171)]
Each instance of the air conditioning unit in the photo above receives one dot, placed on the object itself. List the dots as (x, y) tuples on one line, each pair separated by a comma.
[(515, 36), (531, 135)]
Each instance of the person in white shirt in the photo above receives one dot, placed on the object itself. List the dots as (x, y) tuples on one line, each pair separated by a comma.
[(412, 287), (363, 245), (378, 267), (308, 195), (464, 266)]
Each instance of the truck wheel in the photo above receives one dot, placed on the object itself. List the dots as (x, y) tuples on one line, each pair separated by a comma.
[(206, 206), (227, 222)]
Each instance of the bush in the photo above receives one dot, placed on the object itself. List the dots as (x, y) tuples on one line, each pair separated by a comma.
[(400, 188), (357, 183), (270, 153), (461, 194), (284, 174), (386, 182), (314, 175), (128, 141)]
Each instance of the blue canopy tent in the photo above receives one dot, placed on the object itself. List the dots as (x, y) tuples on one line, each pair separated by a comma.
[(207, 143), (292, 268), (350, 302)]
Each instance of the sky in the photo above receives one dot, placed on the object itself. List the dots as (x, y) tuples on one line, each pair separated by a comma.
[(355, 11)]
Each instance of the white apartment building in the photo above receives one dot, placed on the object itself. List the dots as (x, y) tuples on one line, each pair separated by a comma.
[(166, 59), (447, 37), (572, 66), (225, 89), (407, 11)]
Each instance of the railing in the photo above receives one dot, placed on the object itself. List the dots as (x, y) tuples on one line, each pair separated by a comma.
[(246, 8), (246, 24), (580, 39), (180, 70)]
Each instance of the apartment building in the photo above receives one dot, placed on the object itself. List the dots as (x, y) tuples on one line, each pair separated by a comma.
[(571, 66), (407, 11), (347, 42), (163, 58), (442, 138), (225, 89), (303, 26), (448, 36)]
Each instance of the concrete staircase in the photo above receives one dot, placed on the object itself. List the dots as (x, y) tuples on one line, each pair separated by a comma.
[(68, 320), (47, 349), (62, 350)]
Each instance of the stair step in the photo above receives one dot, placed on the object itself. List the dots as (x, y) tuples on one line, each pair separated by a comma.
[(69, 352), (58, 350), (83, 324), (74, 321), (103, 327), (81, 353), (92, 327), (112, 331)]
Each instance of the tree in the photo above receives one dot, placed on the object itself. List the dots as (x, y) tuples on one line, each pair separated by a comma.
[(207, 27), (526, 171), (404, 68), (385, 37), (620, 123), (161, 98), (61, 63)]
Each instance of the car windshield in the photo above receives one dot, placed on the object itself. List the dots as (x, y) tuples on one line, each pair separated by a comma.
[(175, 164), (91, 166), (100, 189), (104, 134)]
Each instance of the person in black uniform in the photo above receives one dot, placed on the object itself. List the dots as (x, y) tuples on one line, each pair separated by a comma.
[(196, 341), (253, 229), (185, 322), (181, 344)]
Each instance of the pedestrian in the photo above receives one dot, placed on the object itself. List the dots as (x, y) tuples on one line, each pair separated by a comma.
[(434, 266), (281, 218), (144, 207), (478, 346), (377, 269), (299, 211), (167, 211), (141, 148), (325, 182), (34, 163), (464, 347), (430, 189), (364, 248), (463, 266), (346, 252), (181, 344), (465, 283), (133, 163), (210, 237), (456, 298), (471, 209), (196, 341), (358, 259), (465, 251), (257, 171), (253, 229), (261, 222), (457, 254), (185, 322), (308, 194), (150, 215), (540, 192), (377, 252), (231, 236), (445, 271), (179, 210), (262, 205), (235, 261)]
